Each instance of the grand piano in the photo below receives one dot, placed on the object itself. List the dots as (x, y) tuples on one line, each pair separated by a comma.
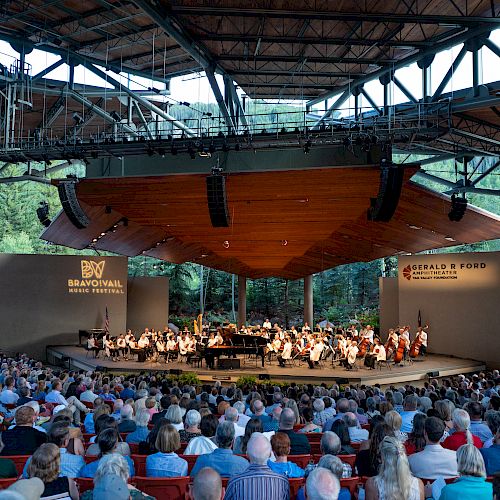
[(85, 334), (237, 343)]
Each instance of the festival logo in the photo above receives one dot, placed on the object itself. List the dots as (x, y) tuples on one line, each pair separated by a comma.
[(92, 281), (91, 269), (407, 272)]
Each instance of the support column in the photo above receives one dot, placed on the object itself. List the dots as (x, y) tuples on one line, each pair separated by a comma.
[(308, 301), (242, 301)]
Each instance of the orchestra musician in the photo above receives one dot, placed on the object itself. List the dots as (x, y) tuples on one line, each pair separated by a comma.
[(267, 324), (377, 353), (122, 345), (350, 358), (287, 352), (422, 338), (315, 352), (92, 345)]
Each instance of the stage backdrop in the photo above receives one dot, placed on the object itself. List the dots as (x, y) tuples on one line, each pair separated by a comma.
[(458, 295), (147, 303), (46, 299)]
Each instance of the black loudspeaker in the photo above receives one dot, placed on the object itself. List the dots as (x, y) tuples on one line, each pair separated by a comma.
[(99, 368), (175, 371), (264, 376), (342, 381), (228, 363), (391, 181), (217, 202), (70, 205), (433, 374)]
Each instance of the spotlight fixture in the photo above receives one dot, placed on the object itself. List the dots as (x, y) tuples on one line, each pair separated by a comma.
[(449, 238), (458, 207), (225, 147), (237, 146), (173, 151), (226, 244), (192, 152), (78, 118), (212, 148), (307, 147), (284, 242), (42, 213), (150, 151), (115, 116), (161, 152), (412, 226)]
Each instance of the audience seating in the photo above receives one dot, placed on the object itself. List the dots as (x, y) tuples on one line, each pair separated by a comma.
[(351, 483), (123, 435), (356, 446), (84, 484), (86, 436), (315, 448), (295, 484), (139, 464), (88, 404), (313, 437), (163, 488), (19, 461), (297, 427), (447, 480), (301, 460), (89, 458), (366, 427), (5, 483), (134, 448), (348, 459), (191, 460)]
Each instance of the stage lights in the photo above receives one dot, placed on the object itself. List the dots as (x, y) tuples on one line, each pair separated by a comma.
[(307, 147), (458, 207), (122, 222)]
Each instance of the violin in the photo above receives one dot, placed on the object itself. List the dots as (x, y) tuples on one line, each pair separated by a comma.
[(399, 354)]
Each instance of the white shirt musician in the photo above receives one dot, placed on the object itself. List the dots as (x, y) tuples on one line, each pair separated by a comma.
[(306, 328), (267, 324), (212, 341), (422, 337), (287, 352), (182, 347), (352, 351), (120, 342), (379, 351), (316, 351), (219, 339), (91, 343), (368, 333), (171, 344), (143, 342), (342, 346)]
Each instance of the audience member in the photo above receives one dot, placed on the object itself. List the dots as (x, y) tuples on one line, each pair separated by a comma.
[(330, 445), (491, 455), (258, 477), (127, 423), (462, 434), (477, 426), (321, 484), (409, 411), (240, 443), (205, 442), (336, 467), (207, 485), (280, 444), (340, 428), (368, 460), (356, 434), (416, 440), (222, 458), (472, 484), (141, 427), (298, 442), (309, 426)]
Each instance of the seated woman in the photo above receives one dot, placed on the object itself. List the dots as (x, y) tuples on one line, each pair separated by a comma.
[(368, 461), (280, 443), (394, 421), (394, 479), (472, 484), (416, 440), (340, 428), (141, 430), (113, 465), (462, 434), (102, 423), (240, 443), (310, 426), (191, 426), (205, 443), (148, 446), (45, 464), (108, 443), (166, 463), (174, 415)]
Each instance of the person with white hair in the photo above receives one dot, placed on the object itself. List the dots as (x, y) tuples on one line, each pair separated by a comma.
[(191, 426), (207, 485), (141, 432), (242, 418), (471, 484), (394, 479), (174, 414), (322, 484), (258, 477), (356, 434), (462, 434), (320, 416), (127, 423), (231, 415)]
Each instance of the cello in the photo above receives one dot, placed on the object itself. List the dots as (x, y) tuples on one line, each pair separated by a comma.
[(415, 347), (363, 347), (389, 347), (400, 352)]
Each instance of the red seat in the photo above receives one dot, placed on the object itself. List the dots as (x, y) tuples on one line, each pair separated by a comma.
[(124, 435), (5, 483), (163, 488), (356, 446), (182, 448), (84, 484), (366, 427), (139, 464), (134, 448), (351, 483), (313, 437), (447, 480), (90, 458), (300, 460), (315, 448), (295, 484), (88, 404), (348, 459), (19, 461), (191, 460), (10, 406), (87, 435), (297, 427)]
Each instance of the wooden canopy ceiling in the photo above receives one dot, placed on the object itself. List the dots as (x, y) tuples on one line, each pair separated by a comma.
[(288, 224)]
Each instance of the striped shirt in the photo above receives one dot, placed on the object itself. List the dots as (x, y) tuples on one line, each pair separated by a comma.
[(256, 483)]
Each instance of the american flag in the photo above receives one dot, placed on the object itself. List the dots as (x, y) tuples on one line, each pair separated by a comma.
[(419, 319), (106, 322)]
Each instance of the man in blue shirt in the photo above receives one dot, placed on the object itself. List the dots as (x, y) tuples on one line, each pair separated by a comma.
[(222, 459), (128, 392), (477, 426)]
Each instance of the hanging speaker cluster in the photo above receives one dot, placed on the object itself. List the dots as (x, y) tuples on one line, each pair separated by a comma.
[(458, 207), (70, 204), (391, 181), (217, 202)]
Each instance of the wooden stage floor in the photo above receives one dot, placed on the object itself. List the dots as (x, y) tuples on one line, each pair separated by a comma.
[(75, 357)]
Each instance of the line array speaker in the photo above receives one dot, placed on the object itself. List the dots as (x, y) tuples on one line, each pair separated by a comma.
[(70, 204), (217, 202), (391, 181)]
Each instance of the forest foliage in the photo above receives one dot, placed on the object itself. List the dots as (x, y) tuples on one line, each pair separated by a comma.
[(340, 294)]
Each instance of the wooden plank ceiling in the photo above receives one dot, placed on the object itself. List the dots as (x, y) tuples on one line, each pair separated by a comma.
[(288, 223)]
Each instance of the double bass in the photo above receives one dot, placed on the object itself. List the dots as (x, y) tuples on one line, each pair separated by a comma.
[(363, 347), (400, 352), (415, 347)]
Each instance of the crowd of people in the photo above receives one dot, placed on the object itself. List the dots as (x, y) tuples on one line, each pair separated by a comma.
[(440, 440)]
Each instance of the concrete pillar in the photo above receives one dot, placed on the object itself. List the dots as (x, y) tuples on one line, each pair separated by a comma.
[(242, 301), (308, 301)]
